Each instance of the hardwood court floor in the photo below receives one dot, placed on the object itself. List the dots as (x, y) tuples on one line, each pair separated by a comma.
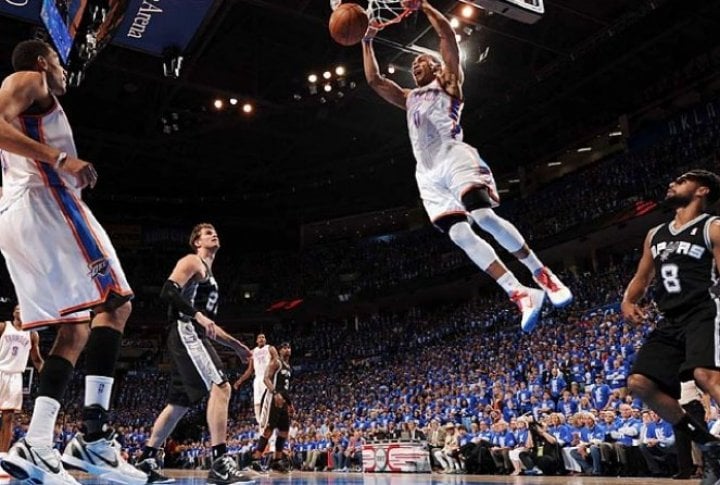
[(184, 477)]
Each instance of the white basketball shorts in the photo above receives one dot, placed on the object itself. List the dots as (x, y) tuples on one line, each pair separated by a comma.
[(458, 169), (258, 390), (60, 259), (10, 391)]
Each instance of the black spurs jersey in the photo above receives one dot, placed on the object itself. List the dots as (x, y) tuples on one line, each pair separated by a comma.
[(281, 379), (684, 265), (202, 295)]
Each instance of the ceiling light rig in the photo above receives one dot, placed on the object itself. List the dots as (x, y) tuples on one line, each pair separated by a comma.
[(330, 84)]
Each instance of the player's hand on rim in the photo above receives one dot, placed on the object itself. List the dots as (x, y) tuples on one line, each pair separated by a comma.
[(84, 171)]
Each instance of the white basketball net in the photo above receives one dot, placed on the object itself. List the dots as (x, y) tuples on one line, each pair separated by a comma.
[(382, 12), (386, 12)]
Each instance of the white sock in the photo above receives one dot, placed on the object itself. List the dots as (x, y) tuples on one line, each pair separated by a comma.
[(98, 390), (42, 424), (532, 262), (509, 283)]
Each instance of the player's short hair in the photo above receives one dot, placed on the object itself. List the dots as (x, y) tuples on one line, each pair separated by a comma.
[(284, 345), (707, 179), (195, 234), (25, 54)]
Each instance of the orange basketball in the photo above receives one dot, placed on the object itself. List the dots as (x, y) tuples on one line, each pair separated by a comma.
[(348, 24)]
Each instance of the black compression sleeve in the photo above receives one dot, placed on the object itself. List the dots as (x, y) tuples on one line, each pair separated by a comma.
[(171, 293)]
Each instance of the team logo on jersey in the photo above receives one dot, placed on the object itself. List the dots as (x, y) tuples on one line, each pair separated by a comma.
[(666, 252), (98, 268)]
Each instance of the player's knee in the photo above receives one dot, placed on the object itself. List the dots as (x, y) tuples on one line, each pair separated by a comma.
[(71, 340), (222, 390), (446, 222), (639, 385), (706, 379), (461, 234), (477, 197), (122, 313)]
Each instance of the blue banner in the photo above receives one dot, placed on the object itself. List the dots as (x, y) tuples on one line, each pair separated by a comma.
[(149, 26)]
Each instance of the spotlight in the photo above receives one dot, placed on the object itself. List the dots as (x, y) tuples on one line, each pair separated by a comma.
[(340, 71), (297, 97), (454, 22), (247, 108), (233, 101), (458, 37), (467, 11), (327, 88), (327, 75), (391, 69), (218, 103), (312, 78), (352, 85), (172, 62)]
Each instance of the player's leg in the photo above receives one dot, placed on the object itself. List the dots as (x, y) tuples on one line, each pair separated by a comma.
[(33, 457), (10, 402), (8, 416), (93, 450), (452, 220), (258, 391), (473, 184)]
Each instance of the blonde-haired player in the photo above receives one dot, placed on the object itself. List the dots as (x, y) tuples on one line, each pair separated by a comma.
[(455, 184), (16, 345), (262, 355)]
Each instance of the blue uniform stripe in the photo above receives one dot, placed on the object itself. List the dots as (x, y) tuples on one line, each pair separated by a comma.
[(73, 212)]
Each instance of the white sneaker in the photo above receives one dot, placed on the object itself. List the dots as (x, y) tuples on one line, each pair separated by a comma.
[(529, 301), (559, 294), (102, 458), (36, 464)]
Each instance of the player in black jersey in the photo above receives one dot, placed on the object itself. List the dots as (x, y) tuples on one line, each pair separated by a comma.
[(192, 294), (276, 407), (683, 257)]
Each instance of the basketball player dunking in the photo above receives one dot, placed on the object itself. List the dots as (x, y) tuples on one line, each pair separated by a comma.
[(261, 357), (192, 294), (64, 270), (454, 181), (683, 256), (16, 345)]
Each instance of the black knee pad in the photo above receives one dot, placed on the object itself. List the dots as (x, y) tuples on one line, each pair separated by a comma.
[(445, 222), (477, 197)]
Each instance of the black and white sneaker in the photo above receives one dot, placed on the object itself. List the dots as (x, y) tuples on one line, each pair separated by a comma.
[(224, 471), (150, 467), (103, 459), (36, 465)]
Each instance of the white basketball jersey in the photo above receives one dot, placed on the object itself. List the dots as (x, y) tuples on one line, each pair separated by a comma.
[(433, 118), (14, 349), (20, 173), (261, 360)]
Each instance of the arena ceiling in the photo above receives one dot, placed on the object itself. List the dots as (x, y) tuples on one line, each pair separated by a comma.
[(294, 160)]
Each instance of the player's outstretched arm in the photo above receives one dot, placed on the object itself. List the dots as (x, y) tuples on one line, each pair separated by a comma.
[(246, 375), (449, 49), (387, 89), (224, 338), (638, 285)]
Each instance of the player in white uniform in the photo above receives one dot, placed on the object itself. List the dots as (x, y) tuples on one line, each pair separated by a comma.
[(454, 182), (261, 357), (63, 267), (16, 345)]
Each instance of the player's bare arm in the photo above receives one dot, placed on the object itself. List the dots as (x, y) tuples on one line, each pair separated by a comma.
[(18, 93), (273, 367), (186, 269), (452, 74), (246, 375), (35, 355), (714, 231), (224, 338), (389, 90), (638, 285)]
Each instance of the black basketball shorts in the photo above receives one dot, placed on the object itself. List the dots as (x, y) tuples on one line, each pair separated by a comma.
[(195, 365), (679, 345)]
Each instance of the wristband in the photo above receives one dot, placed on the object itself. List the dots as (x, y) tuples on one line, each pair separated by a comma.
[(60, 160)]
